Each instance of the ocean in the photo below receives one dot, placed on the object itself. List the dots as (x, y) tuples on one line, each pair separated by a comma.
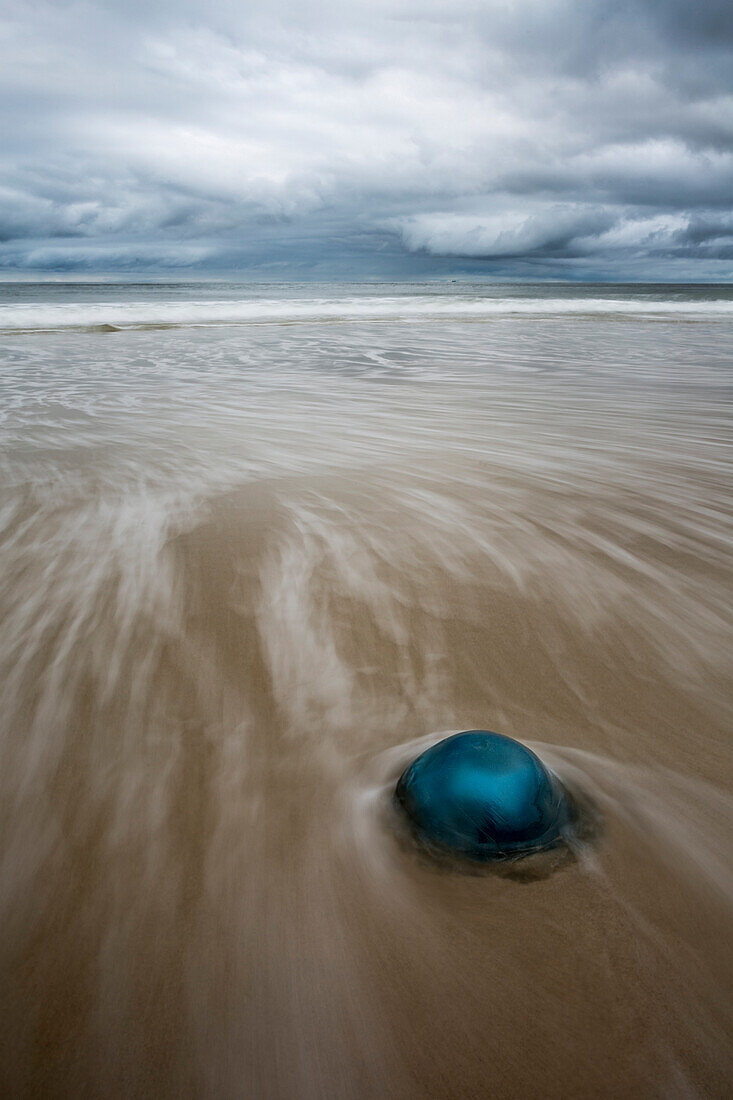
[(262, 543)]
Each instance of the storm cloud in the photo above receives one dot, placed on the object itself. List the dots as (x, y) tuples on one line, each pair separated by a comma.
[(543, 137)]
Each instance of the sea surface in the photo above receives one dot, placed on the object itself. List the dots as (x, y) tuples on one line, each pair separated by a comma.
[(259, 546)]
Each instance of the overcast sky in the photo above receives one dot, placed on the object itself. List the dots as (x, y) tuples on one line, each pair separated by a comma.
[(565, 138)]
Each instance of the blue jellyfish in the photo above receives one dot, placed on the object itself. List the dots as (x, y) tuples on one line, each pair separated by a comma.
[(483, 796)]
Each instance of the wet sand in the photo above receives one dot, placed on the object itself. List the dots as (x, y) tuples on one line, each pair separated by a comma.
[(208, 696)]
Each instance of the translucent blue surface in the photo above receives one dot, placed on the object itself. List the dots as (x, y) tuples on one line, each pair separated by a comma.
[(485, 796)]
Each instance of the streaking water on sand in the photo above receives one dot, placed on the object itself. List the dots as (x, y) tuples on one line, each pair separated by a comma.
[(249, 572)]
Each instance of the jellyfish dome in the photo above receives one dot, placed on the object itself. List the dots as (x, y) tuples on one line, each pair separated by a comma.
[(483, 796)]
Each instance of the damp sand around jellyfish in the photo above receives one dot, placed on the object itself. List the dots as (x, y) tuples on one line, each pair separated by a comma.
[(250, 572)]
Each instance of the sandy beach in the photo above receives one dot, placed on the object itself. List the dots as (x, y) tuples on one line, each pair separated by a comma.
[(250, 567)]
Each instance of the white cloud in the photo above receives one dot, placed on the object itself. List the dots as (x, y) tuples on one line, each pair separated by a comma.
[(476, 129)]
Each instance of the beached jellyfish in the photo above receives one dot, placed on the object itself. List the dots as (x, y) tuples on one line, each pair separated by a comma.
[(483, 796)]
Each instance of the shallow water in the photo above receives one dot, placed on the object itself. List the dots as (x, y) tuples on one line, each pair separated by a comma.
[(252, 563)]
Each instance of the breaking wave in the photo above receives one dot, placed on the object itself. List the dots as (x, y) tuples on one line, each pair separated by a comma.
[(151, 313)]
